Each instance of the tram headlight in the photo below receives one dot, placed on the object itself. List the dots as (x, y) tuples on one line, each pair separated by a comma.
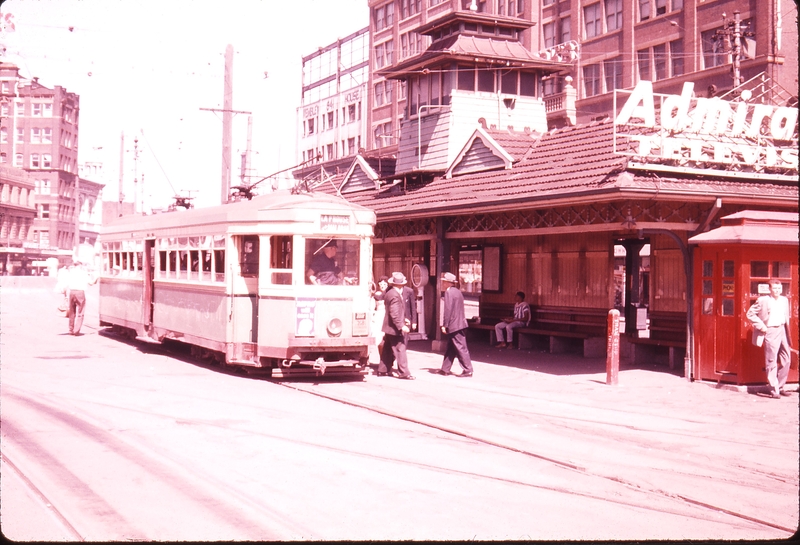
[(335, 327)]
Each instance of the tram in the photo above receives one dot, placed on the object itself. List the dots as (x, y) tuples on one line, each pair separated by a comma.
[(235, 282)]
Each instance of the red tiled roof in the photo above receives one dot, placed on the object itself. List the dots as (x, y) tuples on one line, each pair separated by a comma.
[(574, 162)]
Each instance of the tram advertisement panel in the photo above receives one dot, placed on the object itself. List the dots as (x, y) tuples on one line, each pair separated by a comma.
[(305, 317)]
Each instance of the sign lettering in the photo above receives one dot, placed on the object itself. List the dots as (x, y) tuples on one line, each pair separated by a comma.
[(687, 130)]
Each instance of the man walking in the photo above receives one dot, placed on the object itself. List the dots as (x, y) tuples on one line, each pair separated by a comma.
[(454, 326), (770, 315), (394, 329), (78, 281)]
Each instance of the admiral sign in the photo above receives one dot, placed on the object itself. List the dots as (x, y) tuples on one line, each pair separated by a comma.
[(705, 133)]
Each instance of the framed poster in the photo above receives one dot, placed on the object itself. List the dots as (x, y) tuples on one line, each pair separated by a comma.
[(492, 277)]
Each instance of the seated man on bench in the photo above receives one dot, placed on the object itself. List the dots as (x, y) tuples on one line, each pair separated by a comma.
[(521, 318)]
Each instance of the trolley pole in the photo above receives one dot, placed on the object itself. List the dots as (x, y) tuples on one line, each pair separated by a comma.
[(612, 348)]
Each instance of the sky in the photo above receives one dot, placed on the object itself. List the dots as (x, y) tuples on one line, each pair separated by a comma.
[(145, 68)]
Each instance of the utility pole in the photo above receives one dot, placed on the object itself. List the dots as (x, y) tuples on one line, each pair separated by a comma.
[(227, 125), (135, 174), (121, 156), (246, 154), (732, 31)]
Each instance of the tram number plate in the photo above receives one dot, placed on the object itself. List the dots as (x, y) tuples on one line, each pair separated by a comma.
[(330, 222)]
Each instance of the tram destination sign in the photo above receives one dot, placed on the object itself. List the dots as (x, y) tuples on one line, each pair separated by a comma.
[(334, 223), (685, 132)]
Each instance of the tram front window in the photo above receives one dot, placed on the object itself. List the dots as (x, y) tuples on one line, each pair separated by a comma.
[(332, 261)]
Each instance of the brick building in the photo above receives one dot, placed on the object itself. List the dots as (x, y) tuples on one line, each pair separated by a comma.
[(39, 129)]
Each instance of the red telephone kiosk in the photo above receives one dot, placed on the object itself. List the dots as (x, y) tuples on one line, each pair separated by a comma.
[(732, 268)]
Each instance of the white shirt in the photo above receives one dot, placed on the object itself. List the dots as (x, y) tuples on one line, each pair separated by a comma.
[(777, 312)]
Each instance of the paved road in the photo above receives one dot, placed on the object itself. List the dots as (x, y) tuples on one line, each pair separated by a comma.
[(105, 440)]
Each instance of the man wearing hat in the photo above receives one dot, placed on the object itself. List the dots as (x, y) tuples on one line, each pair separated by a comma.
[(394, 329), (454, 326), (323, 269)]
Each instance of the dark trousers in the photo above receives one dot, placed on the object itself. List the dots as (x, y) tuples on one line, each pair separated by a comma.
[(457, 348), (394, 348), (77, 304)]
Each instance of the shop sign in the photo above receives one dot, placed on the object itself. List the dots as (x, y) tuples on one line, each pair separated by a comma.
[(686, 131)]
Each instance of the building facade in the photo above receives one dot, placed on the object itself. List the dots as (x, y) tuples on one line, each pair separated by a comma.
[(39, 129), (614, 44), (332, 118)]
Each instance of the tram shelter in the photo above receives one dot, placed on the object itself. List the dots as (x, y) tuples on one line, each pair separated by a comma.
[(732, 268)]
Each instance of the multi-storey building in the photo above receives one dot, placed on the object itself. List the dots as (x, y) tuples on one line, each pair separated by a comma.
[(670, 42), (332, 118), (612, 44), (441, 69), (17, 212), (39, 134)]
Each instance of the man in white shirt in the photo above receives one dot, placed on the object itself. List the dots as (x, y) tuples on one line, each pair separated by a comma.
[(770, 315), (78, 282), (521, 318)]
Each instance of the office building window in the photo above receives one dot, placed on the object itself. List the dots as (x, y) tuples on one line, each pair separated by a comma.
[(351, 146), (36, 135), (384, 16), (643, 58), (566, 29), (644, 10), (351, 113), (593, 20), (44, 211), (409, 7), (716, 49), (4, 135), (613, 15), (379, 94), (20, 135), (37, 109), (549, 34), (48, 110), (4, 109), (676, 56), (613, 73), (18, 159), (47, 161), (591, 80), (660, 61)]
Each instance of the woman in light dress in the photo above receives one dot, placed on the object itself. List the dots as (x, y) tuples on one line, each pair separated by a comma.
[(378, 314)]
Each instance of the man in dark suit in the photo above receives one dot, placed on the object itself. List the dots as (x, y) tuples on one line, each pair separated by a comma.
[(394, 329), (410, 302), (454, 326)]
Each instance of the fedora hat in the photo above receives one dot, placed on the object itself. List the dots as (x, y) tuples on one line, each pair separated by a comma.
[(397, 279), (449, 277)]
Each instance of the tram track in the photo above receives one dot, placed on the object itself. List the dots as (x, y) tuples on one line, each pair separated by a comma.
[(560, 463), (43, 500)]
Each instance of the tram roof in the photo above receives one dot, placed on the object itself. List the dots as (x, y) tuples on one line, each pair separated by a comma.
[(280, 205)]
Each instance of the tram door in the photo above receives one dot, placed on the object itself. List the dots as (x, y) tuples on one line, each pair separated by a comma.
[(148, 271), (244, 310)]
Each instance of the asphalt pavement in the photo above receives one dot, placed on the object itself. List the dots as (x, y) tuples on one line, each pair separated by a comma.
[(650, 395)]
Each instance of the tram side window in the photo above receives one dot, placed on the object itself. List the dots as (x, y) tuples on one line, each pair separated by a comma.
[(219, 265), (162, 264), (194, 263), (332, 261), (249, 255), (281, 260)]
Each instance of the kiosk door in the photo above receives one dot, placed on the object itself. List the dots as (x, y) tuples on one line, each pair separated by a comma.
[(716, 334)]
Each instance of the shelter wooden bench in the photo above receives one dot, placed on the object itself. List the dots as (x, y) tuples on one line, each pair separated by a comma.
[(667, 329), (561, 325)]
